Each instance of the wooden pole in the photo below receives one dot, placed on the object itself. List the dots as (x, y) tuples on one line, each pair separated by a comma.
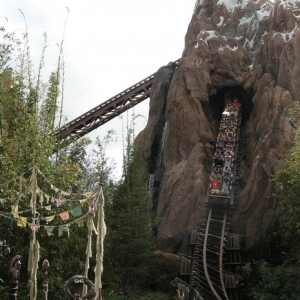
[(100, 218), (99, 256), (32, 251), (88, 247)]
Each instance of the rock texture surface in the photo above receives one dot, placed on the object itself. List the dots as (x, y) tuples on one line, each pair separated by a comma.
[(252, 50)]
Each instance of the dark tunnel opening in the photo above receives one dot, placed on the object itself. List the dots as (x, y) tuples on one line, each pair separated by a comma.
[(217, 101)]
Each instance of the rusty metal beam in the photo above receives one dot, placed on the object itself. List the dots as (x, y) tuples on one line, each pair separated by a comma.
[(106, 111)]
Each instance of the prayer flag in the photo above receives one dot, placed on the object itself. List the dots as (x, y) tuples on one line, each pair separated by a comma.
[(15, 211), (47, 197), (54, 188), (82, 201), (41, 196), (33, 227), (63, 228), (88, 194), (49, 219), (9, 218), (49, 229), (22, 222), (80, 222), (76, 211), (64, 215), (59, 202)]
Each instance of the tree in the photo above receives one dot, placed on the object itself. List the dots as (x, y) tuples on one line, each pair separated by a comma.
[(99, 166), (28, 113), (288, 182), (129, 244)]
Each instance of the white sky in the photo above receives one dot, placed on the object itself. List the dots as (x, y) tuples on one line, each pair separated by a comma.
[(109, 46)]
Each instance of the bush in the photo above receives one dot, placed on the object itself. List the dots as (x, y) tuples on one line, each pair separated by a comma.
[(273, 285)]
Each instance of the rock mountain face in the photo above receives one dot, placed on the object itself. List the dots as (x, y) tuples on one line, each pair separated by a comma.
[(243, 48)]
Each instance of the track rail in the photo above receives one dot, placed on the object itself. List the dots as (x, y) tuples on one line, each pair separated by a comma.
[(214, 238), (213, 275), (106, 111)]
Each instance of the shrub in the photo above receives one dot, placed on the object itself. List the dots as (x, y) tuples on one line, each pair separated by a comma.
[(273, 285)]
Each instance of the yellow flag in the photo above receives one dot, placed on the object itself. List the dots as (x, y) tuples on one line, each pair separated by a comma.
[(83, 201), (22, 221)]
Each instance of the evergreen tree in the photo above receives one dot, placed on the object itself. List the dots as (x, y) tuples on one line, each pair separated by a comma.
[(129, 243)]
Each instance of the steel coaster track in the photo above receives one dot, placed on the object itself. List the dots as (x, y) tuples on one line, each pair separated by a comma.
[(106, 111), (214, 277), (207, 266)]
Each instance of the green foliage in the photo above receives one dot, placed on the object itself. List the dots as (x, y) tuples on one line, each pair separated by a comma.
[(99, 167), (130, 243), (28, 111), (294, 111), (8, 45), (273, 285), (275, 247), (288, 182)]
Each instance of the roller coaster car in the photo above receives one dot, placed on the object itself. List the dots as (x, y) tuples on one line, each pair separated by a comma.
[(219, 200)]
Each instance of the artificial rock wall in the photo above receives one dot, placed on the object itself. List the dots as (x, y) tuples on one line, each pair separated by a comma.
[(250, 49)]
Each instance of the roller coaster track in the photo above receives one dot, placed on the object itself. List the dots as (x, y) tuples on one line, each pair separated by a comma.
[(106, 111), (214, 237), (208, 260), (213, 268), (208, 275)]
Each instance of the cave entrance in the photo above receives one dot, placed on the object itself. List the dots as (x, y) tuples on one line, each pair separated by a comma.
[(217, 101)]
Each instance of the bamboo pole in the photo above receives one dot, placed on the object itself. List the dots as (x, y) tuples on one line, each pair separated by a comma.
[(101, 229), (34, 245), (89, 246)]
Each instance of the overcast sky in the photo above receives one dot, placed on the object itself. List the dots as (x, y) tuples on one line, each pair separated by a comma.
[(109, 46)]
